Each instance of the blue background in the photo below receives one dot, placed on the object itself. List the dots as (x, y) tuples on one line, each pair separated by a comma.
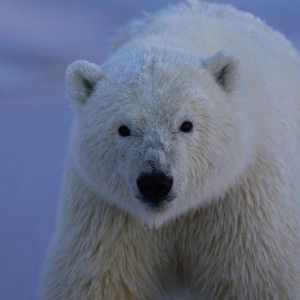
[(38, 39)]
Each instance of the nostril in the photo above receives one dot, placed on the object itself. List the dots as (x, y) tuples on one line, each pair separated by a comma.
[(155, 186)]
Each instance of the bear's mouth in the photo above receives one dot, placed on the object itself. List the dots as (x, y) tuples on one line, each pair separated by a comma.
[(157, 204)]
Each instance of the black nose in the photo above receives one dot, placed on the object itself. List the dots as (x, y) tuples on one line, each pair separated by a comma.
[(154, 187)]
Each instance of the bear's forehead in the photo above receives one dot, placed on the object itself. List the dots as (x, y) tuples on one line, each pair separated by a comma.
[(152, 63), (157, 78)]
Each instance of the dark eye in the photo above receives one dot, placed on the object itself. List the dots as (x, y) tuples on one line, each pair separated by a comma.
[(186, 126), (124, 131)]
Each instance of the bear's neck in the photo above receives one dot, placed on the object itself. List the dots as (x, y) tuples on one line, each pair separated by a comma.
[(246, 216)]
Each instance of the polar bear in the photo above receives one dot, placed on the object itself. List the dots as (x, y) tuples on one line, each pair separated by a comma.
[(182, 177)]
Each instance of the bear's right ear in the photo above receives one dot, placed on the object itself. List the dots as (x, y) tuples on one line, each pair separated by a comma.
[(224, 69), (81, 79)]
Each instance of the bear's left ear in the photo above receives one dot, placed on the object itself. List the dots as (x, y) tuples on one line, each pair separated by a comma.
[(224, 69), (81, 79)]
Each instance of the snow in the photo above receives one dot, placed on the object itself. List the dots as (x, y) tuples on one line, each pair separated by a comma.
[(37, 42)]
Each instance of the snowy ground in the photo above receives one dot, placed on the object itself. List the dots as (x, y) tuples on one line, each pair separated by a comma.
[(37, 42)]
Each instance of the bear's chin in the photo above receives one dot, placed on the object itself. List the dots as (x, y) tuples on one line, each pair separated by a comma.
[(154, 218)]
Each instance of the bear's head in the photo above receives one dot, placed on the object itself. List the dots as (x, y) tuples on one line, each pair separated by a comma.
[(158, 132)]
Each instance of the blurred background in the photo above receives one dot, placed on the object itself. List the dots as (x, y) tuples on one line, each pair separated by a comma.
[(38, 39)]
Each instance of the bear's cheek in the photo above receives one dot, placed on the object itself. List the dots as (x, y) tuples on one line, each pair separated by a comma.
[(91, 151)]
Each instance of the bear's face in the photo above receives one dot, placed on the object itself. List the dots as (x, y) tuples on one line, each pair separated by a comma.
[(157, 132)]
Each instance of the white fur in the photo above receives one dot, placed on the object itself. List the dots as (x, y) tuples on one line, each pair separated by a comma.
[(232, 231)]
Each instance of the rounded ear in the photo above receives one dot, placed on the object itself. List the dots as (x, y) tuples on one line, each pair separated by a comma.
[(223, 68), (81, 79)]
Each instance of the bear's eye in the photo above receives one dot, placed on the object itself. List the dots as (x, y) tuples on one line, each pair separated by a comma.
[(124, 131), (186, 126)]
